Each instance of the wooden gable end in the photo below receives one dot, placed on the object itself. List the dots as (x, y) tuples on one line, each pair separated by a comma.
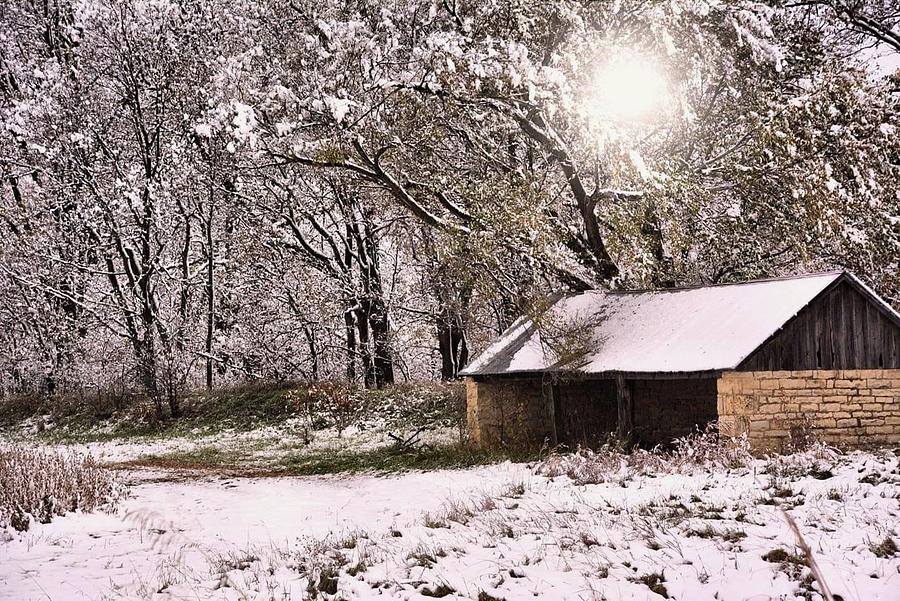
[(842, 328)]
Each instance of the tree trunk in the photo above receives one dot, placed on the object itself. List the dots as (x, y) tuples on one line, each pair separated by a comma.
[(366, 356), (380, 361), (452, 344), (383, 358), (174, 405), (652, 232), (172, 392), (310, 335), (350, 339), (146, 365), (210, 295)]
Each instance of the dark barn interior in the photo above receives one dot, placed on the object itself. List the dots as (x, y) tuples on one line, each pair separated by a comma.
[(587, 411)]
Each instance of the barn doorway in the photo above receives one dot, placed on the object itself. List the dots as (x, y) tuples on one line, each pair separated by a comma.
[(587, 412)]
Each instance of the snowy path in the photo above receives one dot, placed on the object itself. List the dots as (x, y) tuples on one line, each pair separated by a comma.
[(94, 556)]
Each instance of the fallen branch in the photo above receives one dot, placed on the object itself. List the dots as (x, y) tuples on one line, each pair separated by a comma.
[(410, 443)]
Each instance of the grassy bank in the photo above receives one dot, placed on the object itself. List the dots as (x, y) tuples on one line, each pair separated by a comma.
[(380, 460), (306, 408), (85, 418), (318, 428)]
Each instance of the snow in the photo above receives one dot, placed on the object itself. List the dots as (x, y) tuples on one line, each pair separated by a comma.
[(338, 107), (548, 537), (88, 556), (203, 130), (244, 121), (695, 329)]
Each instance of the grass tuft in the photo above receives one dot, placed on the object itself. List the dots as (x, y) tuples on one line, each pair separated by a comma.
[(885, 549), (441, 590), (655, 582)]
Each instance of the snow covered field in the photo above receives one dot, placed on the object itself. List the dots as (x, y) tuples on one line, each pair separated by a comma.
[(510, 531)]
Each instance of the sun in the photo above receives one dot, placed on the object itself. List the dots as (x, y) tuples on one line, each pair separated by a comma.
[(629, 88)]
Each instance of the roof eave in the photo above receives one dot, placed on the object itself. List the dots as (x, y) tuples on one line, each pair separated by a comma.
[(600, 375)]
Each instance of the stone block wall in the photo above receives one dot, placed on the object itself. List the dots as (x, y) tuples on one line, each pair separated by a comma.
[(508, 412), (848, 408)]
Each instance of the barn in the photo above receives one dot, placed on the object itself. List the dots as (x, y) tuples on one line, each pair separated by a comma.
[(772, 359)]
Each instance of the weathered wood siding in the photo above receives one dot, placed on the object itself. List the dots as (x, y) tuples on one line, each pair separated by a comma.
[(842, 329), (523, 413), (587, 411)]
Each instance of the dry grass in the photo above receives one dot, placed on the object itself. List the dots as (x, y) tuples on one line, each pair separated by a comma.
[(703, 451), (38, 485), (885, 549)]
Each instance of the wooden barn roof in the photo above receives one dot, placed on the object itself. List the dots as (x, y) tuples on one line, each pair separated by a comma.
[(687, 330)]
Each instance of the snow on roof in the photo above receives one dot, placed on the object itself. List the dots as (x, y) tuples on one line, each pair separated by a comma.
[(670, 331)]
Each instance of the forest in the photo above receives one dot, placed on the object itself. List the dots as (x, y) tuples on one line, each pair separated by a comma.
[(198, 194)]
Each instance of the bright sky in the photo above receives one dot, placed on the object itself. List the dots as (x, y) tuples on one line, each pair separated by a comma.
[(887, 63), (882, 60), (629, 88), (634, 88)]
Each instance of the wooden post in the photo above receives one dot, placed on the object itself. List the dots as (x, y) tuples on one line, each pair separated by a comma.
[(626, 407), (553, 410)]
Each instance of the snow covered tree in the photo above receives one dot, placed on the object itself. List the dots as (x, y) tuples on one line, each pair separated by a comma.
[(261, 189)]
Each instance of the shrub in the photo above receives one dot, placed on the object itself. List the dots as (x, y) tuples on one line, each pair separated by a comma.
[(585, 466), (817, 460), (802, 435), (41, 484), (339, 401)]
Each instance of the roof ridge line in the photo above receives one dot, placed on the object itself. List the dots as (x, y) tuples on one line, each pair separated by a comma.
[(724, 284)]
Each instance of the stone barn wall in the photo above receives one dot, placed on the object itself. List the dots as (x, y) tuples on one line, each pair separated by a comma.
[(508, 412), (850, 408)]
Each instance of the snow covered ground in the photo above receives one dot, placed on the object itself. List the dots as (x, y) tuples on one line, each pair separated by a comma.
[(497, 532)]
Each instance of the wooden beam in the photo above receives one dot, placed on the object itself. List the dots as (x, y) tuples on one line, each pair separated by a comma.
[(625, 406), (602, 375)]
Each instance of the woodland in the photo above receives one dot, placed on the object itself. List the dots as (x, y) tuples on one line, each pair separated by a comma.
[(203, 193)]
